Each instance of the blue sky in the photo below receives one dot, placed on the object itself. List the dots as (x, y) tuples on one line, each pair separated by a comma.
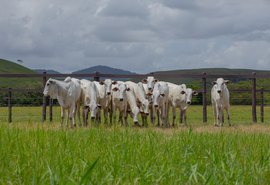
[(136, 35)]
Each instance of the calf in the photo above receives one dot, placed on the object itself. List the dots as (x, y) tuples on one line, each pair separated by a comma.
[(220, 98)]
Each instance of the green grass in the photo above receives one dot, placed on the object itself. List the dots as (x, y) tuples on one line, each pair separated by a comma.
[(43, 154), (35, 153), (239, 114)]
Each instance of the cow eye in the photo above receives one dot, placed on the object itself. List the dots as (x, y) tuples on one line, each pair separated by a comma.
[(48, 84), (162, 95)]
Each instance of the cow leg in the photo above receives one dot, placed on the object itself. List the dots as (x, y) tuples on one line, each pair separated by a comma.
[(222, 116), (152, 116), (184, 115), (173, 115), (85, 115), (181, 116), (215, 115), (228, 116), (105, 113), (78, 112), (62, 116)]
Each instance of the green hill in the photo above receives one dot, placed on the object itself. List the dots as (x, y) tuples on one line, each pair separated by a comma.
[(11, 67), (8, 67), (209, 71)]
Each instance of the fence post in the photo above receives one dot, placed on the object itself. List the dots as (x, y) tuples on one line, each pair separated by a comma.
[(96, 77), (44, 98), (204, 98), (9, 105), (51, 109), (262, 106), (254, 114)]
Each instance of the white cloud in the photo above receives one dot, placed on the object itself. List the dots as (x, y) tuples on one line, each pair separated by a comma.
[(138, 35)]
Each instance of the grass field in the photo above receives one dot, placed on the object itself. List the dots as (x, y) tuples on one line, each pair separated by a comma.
[(35, 153), (239, 114)]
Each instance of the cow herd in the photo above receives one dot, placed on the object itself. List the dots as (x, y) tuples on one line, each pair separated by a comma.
[(148, 98)]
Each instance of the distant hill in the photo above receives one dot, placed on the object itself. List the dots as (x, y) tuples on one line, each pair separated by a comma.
[(209, 71), (48, 71), (8, 67), (103, 69)]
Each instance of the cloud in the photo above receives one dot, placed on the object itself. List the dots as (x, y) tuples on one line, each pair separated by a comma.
[(140, 36)]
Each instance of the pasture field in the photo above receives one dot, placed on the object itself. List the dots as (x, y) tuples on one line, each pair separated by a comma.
[(239, 114), (36, 153)]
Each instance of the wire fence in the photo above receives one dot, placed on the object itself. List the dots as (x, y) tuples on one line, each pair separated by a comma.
[(13, 97)]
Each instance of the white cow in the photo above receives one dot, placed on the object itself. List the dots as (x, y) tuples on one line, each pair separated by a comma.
[(107, 97), (119, 101), (124, 99), (161, 103), (183, 106), (148, 85), (220, 98), (68, 94), (180, 97), (90, 97), (177, 98), (141, 99)]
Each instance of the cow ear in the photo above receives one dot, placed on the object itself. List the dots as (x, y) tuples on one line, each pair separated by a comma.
[(195, 93), (214, 82), (227, 81), (101, 82), (144, 81), (115, 89), (52, 81), (138, 102)]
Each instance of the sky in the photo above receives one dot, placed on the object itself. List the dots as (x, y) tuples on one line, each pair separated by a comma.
[(136, 35)]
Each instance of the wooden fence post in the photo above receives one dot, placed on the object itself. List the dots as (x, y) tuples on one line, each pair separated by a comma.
[(96, 77), (254, 114), (9, 105), (44, 98), (51, 109), (204, 98), (262, 106)]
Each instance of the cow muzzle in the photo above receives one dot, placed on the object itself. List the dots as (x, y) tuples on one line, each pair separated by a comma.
[(218, 91), (121, 99), (108, 93)]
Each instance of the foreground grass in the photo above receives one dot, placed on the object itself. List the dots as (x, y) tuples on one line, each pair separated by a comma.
[(33, 153)]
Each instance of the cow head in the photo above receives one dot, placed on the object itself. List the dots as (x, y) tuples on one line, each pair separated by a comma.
[(160, 92), (108, 85), (121, 89), (220, 84), (50, 89), (150, 81), (189, 93)]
